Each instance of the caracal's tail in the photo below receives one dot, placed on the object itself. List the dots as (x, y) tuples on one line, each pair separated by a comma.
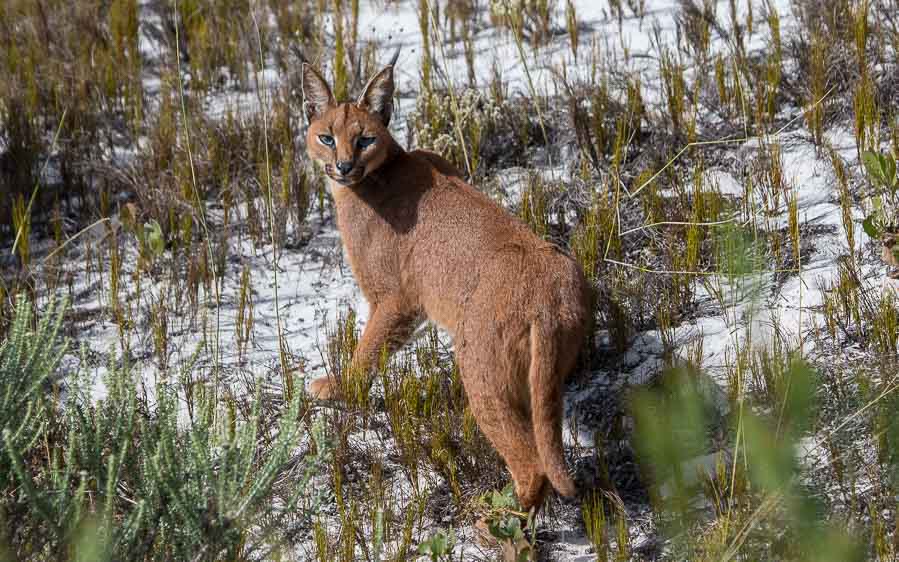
[(546, 410)]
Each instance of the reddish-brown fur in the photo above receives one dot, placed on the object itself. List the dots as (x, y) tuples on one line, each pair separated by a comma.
[(422, 243)]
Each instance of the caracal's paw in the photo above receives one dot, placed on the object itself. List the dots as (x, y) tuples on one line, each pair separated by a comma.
[(323, 388), (482, 533)]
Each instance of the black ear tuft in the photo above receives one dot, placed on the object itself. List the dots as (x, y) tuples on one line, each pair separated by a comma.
[(378, 94), (396, 55), (317, 94)]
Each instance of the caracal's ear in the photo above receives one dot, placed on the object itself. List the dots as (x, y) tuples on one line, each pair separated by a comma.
[(378, 94), (317, 94)]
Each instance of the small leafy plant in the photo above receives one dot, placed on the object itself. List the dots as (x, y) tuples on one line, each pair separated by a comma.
[(882, 223), (881, 170), (150, 240), (439, 546), (504, 520)]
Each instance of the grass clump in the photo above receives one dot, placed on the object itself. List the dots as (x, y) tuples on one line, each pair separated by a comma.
[(80, 61), (528, 19)]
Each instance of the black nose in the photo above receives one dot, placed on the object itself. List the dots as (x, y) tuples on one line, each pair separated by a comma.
[(344, 167)]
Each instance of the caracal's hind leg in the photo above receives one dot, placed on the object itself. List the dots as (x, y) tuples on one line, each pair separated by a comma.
[(506, 426), (390, 325), (509, 430)]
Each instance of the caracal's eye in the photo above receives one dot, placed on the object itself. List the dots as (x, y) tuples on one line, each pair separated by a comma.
[(326, 140), (365, 142)]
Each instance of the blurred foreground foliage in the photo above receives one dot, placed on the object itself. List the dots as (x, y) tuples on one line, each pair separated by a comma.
[(764, 508)]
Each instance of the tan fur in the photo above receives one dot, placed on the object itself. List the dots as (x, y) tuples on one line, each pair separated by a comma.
[(422, 243)]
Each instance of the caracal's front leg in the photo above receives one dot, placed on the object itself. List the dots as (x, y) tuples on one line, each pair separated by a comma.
[(391, 325)]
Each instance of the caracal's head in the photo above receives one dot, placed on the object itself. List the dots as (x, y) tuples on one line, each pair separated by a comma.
[(349, 139)]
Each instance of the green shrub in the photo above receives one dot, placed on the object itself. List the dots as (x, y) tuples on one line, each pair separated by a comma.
[(126, 479)]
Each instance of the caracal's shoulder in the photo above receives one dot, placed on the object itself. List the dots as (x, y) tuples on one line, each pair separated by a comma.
[(439, 163)]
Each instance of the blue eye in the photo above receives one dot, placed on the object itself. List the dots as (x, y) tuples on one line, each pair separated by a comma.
[(365, 142), (326, 140)]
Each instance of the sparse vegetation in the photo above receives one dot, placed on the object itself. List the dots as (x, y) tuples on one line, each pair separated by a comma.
[(724, 173)]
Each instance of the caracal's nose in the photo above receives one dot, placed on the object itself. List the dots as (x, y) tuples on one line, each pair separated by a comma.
[(344, 167)]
